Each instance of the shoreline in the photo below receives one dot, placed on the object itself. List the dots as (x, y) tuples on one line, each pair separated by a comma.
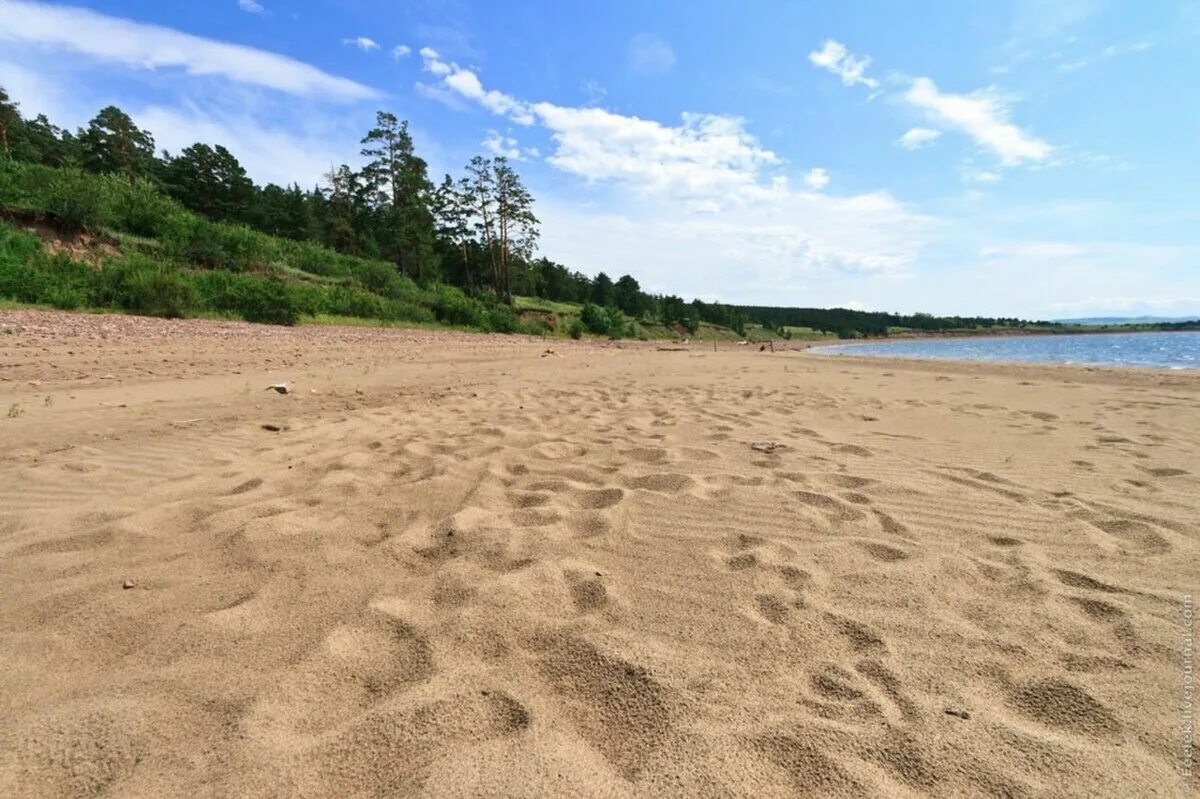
[(898, 340)]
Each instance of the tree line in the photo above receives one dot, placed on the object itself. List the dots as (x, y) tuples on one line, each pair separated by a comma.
[(477, 231)]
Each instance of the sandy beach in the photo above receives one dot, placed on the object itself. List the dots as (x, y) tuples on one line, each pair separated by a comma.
[(460, 565)]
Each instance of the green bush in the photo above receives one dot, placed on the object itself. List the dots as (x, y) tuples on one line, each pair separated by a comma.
[(193, 239), (595, 319), (145, 286), (535, 326), (75, 199), (618, 326), (453, 307), (502, 319), (139, 208), (253, 297), (576, 329), (315, 259)]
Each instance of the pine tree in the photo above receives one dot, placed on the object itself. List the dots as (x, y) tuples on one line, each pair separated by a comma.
[(113, 143), (515, 221), (401, 191)]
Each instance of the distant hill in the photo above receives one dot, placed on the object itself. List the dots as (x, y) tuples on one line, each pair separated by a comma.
[(1127, 320)]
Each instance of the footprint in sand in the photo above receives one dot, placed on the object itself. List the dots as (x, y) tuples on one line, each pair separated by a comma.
[(617, 706), (664, 483), (588, 592), (249, 485), (1058, 703), (1073, 579), (1138, 534), (883, 552), (354, 668), (833, 508), (599, 498)]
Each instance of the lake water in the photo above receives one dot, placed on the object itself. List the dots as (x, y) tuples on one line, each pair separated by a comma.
[(1157, 350)]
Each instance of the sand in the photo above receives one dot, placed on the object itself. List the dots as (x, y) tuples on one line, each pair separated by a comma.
[(462, 566)]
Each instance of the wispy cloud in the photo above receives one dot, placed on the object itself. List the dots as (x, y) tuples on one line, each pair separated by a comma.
[(362, 43), (1140, 46), (250, 6), (648, 54), (984, 117), (834, 57), (918, 138), (153, 47), (401, 51)]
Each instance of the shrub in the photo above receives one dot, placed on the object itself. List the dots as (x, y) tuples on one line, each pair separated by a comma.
[(140, 208), (502, 319), (535, 326), (453, 307), (213, 245), (253, 297), (617, 324), (77, 200), (315, 259), (595, 319), (145, 286), (576, 329)]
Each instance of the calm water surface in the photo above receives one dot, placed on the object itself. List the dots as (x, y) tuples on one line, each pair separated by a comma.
[(1156, 350)]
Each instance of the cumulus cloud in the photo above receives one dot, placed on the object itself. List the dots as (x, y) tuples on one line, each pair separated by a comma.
[(703, 192), (918, 138), (498, 144), (401, 51), (250, 6), (153, 47), (983, 116), (362, 43), (834, 56), (816, 179), (648, 54), (466, 84)]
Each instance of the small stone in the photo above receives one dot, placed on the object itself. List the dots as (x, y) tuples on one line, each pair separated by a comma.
[(128, 584), (273, 428), (278, 388), (962, 714)]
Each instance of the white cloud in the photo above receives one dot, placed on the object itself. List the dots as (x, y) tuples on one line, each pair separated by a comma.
[(703, 196), (918, 138), (37, 92), (152, 47), (648, 54), (972, 175), (401, 51), (282, 153), (506, 146), (362, 43), (982, 115), (834, 57), (705, 156), (250, 6), (1114, 50), (816, 178), (467, 84)]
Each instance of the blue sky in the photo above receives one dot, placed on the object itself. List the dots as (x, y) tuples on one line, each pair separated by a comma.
[(1026, 158)]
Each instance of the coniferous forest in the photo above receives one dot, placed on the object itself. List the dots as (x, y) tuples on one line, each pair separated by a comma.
[(189, 233)]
